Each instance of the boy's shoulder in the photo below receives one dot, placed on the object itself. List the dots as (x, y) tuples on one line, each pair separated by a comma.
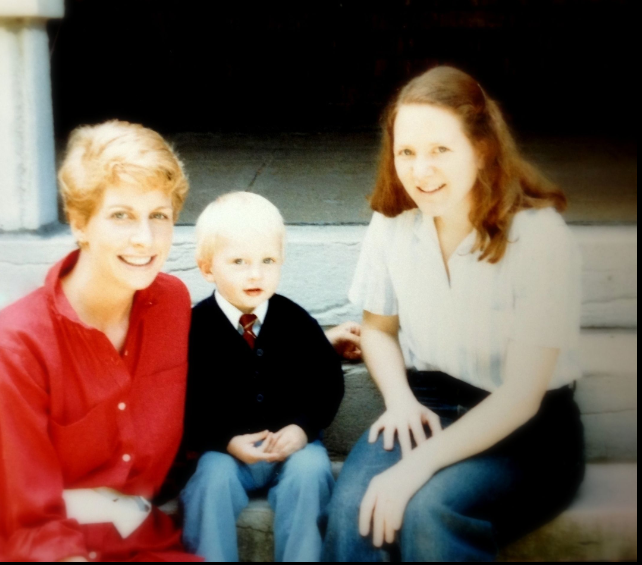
[(283, 307)]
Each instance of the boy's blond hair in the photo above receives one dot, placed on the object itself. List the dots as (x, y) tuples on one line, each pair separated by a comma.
[(114, 154), (234, 213)]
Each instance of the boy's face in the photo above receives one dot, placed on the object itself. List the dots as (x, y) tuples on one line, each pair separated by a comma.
[(246, 269)]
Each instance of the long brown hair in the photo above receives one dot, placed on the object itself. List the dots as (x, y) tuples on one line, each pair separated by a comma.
[(506, 184)]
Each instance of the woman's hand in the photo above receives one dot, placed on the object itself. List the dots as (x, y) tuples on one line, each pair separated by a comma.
[(384, 504), (346, 340), (405, 418)]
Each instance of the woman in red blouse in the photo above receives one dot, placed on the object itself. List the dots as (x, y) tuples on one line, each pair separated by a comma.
[(93, 365)]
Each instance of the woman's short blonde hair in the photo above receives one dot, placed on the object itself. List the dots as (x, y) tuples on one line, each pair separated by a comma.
[(232, 214), (116, 154)]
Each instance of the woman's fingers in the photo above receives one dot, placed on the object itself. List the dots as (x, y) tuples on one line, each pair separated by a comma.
[(378, 523), (432, 419), (389, 529), (389, 437), (403, 433), (376, 429), (365, 513), (418, 432)]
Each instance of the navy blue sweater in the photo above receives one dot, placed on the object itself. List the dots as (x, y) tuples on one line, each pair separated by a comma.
[(293, 376)]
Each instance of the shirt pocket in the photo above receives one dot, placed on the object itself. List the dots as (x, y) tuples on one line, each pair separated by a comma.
[(87, 445)]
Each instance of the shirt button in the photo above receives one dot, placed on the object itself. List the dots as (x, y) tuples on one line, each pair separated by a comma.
[(122, 406), (259, 398), (93, 555), (259, 352), (127, 458)]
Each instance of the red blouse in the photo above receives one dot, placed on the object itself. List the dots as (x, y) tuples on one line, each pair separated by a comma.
[(74, 413)]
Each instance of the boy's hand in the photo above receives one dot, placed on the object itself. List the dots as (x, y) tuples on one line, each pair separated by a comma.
[(244, 448), (346, 340), (286, 441)]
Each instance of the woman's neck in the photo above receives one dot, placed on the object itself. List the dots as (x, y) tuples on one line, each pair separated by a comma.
[(452, 230), (97, 302)]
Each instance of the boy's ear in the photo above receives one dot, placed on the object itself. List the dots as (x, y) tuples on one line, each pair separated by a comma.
[(206, 269)]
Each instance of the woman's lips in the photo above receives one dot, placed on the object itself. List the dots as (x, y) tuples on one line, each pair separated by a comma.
[(133, 261), (431, 190)]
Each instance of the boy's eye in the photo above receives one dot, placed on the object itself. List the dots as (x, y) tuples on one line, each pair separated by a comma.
[(442, 149), (268, 261), (119, 215), (238, 261), (160, 216)]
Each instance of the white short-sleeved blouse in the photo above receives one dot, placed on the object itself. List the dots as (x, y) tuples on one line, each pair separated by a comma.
[(462, 325)]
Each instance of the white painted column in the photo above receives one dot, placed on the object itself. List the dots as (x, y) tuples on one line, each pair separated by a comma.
[(27, 160)]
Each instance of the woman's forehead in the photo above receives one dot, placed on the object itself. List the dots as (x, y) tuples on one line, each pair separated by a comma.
[(425, 123), (134, 196)]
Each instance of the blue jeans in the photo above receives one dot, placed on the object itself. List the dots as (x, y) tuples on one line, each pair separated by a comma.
[(299, 492), (468, 510)]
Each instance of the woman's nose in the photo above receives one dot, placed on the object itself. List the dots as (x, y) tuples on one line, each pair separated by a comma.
[(424, 168), (142, 234)]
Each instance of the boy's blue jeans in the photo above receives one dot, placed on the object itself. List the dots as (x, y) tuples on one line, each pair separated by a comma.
[(468, 510), (299, 492)]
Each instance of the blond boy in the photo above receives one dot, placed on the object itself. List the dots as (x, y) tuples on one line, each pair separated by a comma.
[(263, 382)]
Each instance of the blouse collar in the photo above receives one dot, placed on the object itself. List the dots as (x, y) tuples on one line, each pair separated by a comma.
[(425, 230)]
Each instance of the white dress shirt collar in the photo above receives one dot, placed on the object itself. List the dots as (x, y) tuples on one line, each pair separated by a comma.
[(233, 314)]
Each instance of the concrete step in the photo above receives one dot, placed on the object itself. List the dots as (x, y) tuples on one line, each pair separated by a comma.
[(600, 525), (320, 262), (607, 397)]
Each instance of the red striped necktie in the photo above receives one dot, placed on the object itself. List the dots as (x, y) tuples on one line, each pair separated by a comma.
[(247, 321)]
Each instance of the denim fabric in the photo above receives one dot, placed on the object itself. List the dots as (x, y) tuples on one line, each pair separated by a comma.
[(468, 510), (299, 490)]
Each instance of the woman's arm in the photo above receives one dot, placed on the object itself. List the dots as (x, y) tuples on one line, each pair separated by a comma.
[(404, 414), (528, 371), (33, 521)]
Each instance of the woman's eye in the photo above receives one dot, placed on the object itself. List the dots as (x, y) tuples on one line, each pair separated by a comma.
[(405, 152), (160, 216), (442, 149), (238, 261), (119, 215)]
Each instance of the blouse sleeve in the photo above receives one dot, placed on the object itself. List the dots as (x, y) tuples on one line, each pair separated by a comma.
[(547, 283), (372, 288), (33, 523)]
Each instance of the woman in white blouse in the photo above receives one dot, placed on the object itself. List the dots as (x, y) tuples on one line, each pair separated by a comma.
[(470, 284)]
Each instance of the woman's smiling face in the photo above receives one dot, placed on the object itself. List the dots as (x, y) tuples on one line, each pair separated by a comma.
[(434, 159), (129, 236)]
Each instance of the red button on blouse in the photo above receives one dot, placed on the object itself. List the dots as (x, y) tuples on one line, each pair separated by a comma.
[(61, 386)]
